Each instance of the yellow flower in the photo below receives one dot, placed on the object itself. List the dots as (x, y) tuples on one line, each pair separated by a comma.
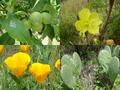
[(89, 21), (1, 48), (109, 42), (24, 48), (57, 64), (18, 63), (39, 71)]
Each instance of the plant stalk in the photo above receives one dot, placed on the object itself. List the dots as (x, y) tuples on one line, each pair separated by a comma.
[(104, 29)]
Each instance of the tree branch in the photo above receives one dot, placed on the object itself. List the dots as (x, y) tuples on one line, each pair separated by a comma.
[(104, 29)]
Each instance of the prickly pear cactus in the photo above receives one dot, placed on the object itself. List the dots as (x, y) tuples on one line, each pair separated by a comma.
[(104, 58), (113, 69), (71, 68), (68, 76), (110, 63), (116, 51)]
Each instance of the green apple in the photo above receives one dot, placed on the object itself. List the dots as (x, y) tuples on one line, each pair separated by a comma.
[(35, 18), (46, 18), (37, 28)]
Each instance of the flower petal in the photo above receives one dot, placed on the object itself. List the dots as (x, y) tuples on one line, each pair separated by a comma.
[(57, 64), (94, 18), (84, 14), (93, 29), (24, 48), (1, 48), (22, 58), (39, 71), (81, 26), (18, 63), (10, 62)]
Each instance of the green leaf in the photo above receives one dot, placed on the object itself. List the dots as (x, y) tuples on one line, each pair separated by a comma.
[(17, 80), (57, 31), (38, 5), (17, 30), (50, 9), (67, 76), (6, 39), (36, 41), (32, 2), (52, 12)]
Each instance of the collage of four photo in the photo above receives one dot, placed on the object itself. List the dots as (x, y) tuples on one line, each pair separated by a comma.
[(59, 44)]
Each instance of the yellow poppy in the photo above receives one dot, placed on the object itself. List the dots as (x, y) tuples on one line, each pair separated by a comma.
[(24, 48), (18, 63), (57, 64), (89, 21), (39, 71), (1, 48)]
